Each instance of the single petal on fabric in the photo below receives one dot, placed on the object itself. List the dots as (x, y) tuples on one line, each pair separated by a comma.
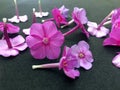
[(116, 61), (26, 31), (50, 28), (57, 39), (52, 52), (85, 64), (17, 40), (14, 19), (83, 44), (111, 42), (9, 52), (92, 24), (38, 51), (32, 40), (21, 47), (23, 18), (37, 30), (72, 73)]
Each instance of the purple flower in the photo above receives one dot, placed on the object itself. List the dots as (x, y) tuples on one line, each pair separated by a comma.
[(64, 11), (58, 17), (18, 44), (95, 31), (83, 54), (114, 39), (79, 16), (116, 60), (45, 40), (115, 15), (10, 28), (68, 63)]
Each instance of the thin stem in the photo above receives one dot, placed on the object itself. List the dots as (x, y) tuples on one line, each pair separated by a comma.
[(70, 22), (33, 16), (6, 37), (40, 8), (104, 20), (51, 65), (71, 31), (16, 9)]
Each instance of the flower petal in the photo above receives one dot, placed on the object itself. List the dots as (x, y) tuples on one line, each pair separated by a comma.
[(50, 28), (21, 47), (92, 24), (92, 30), (38, 51), (37, 30), (83, 44), (72, 73), (23, 18), (52, 52), (32, 40), (85, 64), (111, 41), (26, 31), (116, 61), (14, 19)]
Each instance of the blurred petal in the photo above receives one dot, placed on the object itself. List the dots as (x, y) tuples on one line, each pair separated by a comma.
[(21, 47), (23, 18), (85, 64), (116, 61), (26, 31), (14, 19)]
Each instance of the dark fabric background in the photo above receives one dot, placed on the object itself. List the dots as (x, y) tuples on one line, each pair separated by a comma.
[(16, 72)]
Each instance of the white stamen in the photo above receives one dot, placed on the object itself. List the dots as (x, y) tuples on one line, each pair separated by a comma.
[(33, 9), (4, 20)]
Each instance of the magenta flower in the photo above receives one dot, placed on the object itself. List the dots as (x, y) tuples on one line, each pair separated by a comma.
[(116, 60), (45, 40), (11, 46), (95, 31), (58, 17), (115, 15), (68, 63), (17, 43), (79, 16), (64, 11), (113, 39), (10, 28), (83, 54)]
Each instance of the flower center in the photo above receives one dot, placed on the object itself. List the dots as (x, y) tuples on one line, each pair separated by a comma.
[(81, 55), (64, 63), (59, 18), (45, 40)]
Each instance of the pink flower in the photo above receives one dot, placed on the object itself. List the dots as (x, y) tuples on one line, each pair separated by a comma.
[(58, 17), (64, 11), (10, 28), (83, 54), (95, 31), (18, 44), (113, 39), (115, 15), (45, 40), (116, 60), (79, 16), (68, 63)]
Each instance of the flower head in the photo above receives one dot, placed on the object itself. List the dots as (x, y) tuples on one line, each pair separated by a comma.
[(18, 44), (79, 16), (45, 40), (68, 63), (59, 18), (95, 31), (115, 15), (83, 54), (64, 11), (10, 28)]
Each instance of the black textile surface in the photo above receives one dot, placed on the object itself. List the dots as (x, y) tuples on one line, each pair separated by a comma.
[(16, 72)]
